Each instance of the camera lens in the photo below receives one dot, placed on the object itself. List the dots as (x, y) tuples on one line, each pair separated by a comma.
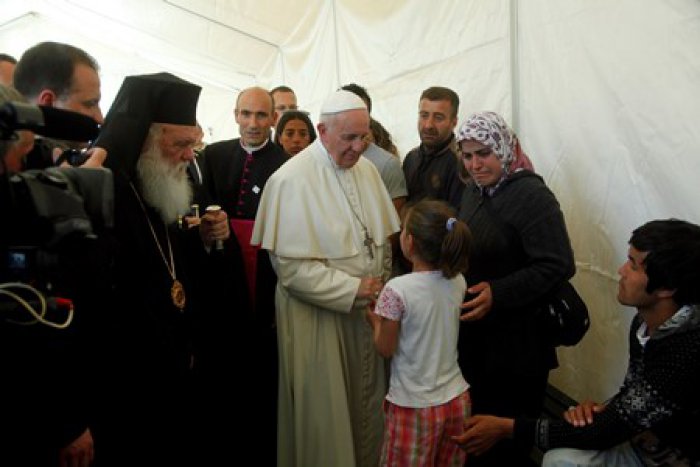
[(73, 156)]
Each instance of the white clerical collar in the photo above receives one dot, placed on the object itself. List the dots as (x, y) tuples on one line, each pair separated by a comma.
[(252, 149)]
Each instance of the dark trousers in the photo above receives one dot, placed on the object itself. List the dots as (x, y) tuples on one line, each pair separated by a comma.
[(519, 395)]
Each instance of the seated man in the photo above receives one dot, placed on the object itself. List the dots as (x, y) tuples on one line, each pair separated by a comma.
[(650, 420)]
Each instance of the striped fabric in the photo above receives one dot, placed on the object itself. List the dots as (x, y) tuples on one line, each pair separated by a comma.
[(422, 436)]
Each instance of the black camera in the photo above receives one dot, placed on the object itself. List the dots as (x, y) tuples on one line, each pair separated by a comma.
[(46, 121), (74, 157), (52, 212), (54, 218)]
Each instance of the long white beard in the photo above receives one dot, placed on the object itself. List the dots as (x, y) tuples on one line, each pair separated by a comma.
[(164, 187)]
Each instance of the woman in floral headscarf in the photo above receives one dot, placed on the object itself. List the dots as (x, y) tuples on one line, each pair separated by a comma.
[(521, 251)]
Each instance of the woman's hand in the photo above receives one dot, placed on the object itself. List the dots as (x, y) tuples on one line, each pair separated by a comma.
[(480, 305)]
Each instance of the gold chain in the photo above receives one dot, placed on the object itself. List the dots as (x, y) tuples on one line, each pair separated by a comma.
[(177, 291)]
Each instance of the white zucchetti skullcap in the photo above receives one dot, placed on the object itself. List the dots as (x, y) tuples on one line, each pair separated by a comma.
[(342, 101)]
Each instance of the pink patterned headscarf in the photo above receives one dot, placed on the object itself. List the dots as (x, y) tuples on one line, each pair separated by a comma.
[(491, 130)]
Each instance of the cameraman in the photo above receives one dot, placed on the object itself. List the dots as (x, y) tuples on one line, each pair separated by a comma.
[(44, 421), (62, 76)]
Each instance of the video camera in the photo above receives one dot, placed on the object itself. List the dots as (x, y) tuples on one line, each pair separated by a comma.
[(46, 121), (53, 217), (51, 123)]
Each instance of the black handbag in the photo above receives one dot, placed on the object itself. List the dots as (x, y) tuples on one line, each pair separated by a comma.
[(563, 313), (565, 316)]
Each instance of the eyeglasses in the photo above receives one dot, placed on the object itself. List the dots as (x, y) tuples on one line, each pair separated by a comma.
[(482, 153)]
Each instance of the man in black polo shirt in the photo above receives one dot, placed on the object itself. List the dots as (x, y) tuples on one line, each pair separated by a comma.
[(431, 169)]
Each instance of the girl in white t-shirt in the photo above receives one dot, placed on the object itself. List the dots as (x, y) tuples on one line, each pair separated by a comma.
[(416, 320)]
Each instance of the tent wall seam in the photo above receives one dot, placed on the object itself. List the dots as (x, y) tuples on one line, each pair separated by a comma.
[(235, 29), (32, 14)]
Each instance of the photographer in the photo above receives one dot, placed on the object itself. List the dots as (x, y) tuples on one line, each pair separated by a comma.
[(65, 77), (44, 418)]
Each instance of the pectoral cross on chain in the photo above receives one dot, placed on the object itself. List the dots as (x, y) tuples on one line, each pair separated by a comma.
[(369, 243)]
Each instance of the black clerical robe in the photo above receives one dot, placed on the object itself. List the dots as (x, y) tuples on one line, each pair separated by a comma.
[(234, 180), (153, 357)]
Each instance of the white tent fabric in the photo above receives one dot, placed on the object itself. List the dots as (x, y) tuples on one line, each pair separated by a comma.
[(604, 95)]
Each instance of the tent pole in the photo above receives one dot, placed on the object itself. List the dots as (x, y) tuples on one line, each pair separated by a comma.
[(514, 67), (337, 47)]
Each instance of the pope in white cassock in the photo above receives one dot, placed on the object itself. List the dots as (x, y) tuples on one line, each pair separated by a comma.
[(325, 218)]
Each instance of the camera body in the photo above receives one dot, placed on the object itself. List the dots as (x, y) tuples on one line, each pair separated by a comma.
[(55, 214), (49, 213), (52, 250)]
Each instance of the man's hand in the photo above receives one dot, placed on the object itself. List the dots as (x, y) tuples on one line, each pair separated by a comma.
[(192, 221), (369, 288), (96, 158), (480, 305), (214, 226), (582, 414), (481, 432), (79, 453)]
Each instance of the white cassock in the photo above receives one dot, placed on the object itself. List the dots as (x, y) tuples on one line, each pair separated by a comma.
[(332, 380)]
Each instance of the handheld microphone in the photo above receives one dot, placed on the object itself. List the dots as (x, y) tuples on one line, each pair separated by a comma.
[(47, 121)]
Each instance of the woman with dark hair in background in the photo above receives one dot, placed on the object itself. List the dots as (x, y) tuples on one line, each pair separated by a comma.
[(382, 138), (294, 132)]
